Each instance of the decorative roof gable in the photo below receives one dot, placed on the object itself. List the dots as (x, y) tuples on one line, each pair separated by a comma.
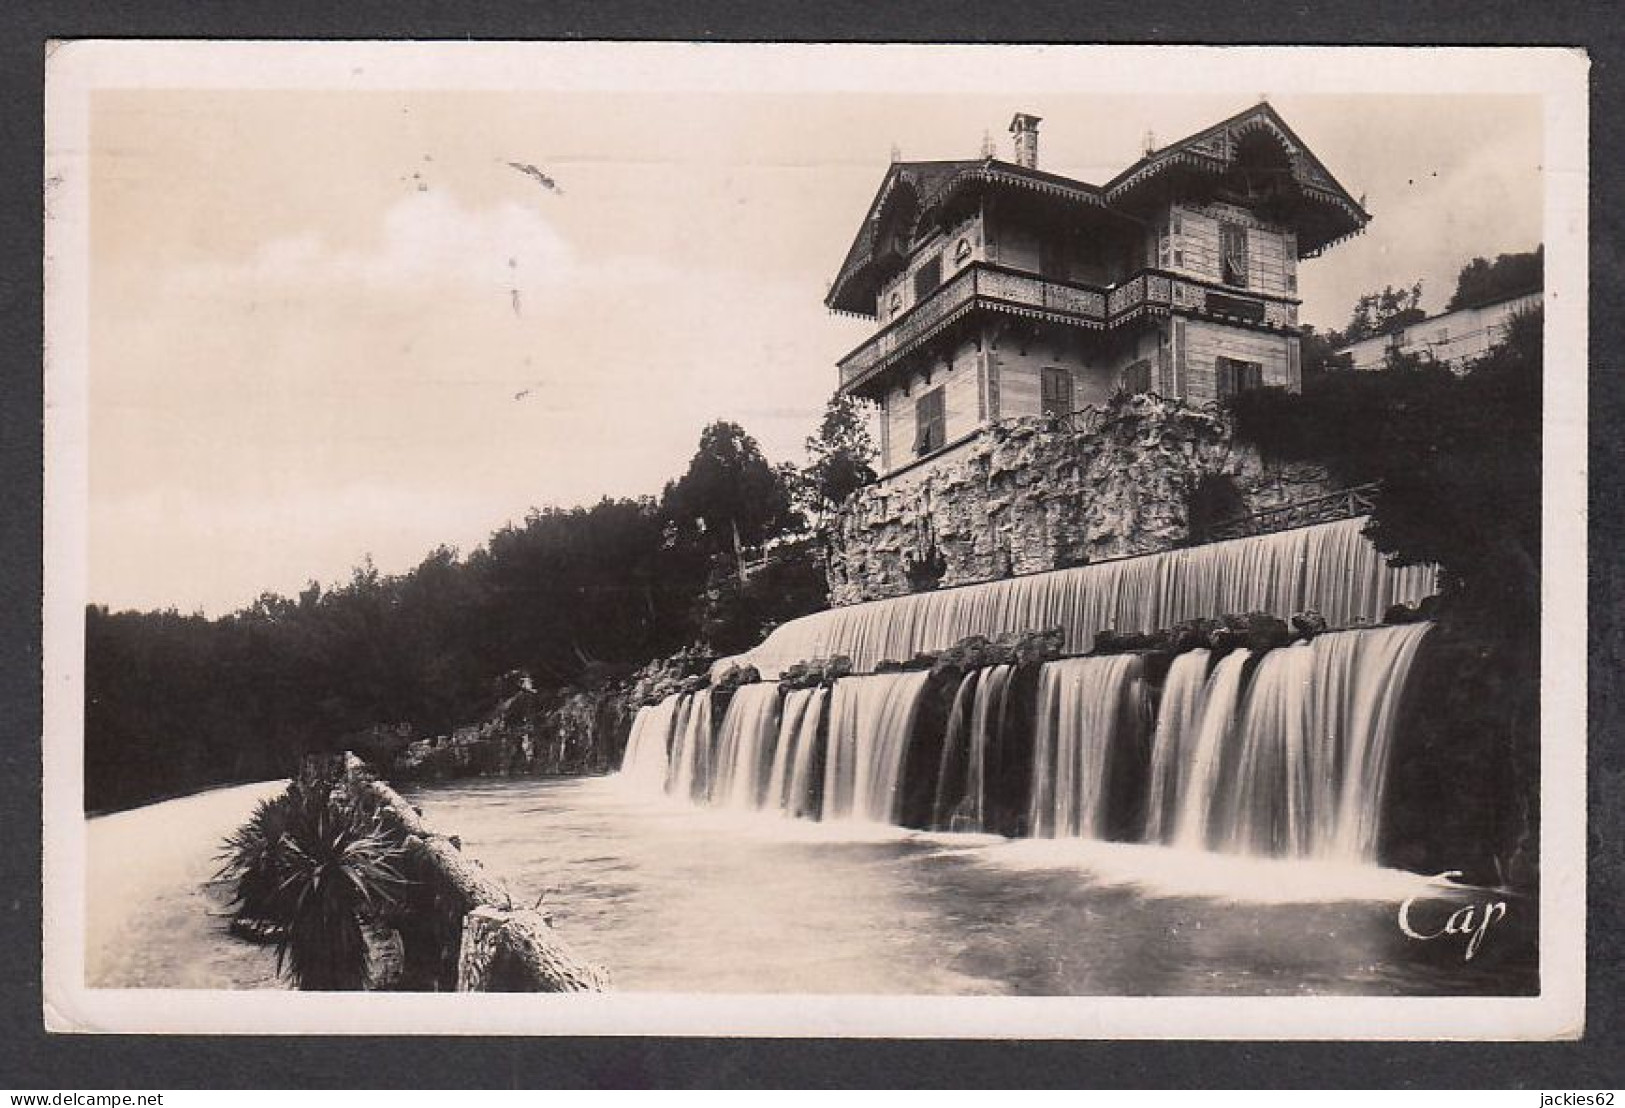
[(914, 191)]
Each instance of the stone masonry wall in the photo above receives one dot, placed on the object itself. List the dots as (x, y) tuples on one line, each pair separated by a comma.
[(1031, 497)]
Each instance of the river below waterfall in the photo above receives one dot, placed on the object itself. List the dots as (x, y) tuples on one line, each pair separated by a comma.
[(673, 897)]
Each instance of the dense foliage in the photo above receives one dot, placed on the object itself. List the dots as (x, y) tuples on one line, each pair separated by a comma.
[(842, 453), (1380, 313), (318, 871), (1459, 461), (1458, 456), (175, 702), (1483, 282)]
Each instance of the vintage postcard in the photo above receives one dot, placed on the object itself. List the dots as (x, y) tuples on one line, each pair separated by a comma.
[(698, 539)]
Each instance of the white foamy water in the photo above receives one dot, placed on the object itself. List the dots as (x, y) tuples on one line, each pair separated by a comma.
[(673, 896), (1330, 567)]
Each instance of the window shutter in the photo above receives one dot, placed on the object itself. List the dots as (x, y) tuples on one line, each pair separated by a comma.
[(929, 422), (1224, 377), (1233, 251), (1055, 385)]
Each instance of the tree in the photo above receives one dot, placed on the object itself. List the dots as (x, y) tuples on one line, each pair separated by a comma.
[(1382, 313), (730, 496), (1317, 354), (842, 452), (1458, 458), (1484, 282)]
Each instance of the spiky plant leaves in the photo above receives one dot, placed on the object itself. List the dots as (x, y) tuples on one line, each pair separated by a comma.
[(320, 867), (338, 866)]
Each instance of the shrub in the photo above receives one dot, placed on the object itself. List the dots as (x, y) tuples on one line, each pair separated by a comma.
[(321, 869)]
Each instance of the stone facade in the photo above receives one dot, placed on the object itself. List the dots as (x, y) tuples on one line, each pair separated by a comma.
[(1030, 496)]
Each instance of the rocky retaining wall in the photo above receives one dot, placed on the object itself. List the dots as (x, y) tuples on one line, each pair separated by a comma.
[(466, 933), (1031, 496), (571, 731)]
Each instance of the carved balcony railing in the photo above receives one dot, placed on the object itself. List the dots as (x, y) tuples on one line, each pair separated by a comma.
[(1344, 504), (982, 285), (993, 287)]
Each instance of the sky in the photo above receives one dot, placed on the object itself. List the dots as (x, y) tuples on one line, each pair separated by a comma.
[(326, 326)]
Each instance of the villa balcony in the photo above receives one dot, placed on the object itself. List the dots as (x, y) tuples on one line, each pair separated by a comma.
[(991, 288)]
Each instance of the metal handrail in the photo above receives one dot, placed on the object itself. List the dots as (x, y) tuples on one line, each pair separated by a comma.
[(1357, 500)]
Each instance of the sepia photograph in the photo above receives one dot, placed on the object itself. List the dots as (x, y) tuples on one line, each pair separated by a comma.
[(848, 540)]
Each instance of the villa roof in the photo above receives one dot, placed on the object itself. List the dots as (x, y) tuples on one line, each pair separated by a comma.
[(911, 191)]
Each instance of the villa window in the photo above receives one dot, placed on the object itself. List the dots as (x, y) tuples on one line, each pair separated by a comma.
[(930, 423), (1233, 254), (928, 277), (1233, 375), (1055, 391), (1137, 377)]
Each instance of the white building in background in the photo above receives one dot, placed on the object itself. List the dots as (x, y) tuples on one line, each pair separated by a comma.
[(1454, 338)]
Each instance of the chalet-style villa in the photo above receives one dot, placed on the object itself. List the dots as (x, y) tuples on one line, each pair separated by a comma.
[(1002, 290)]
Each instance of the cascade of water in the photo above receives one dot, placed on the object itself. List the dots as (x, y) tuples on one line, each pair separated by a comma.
[(987, 723), (1309, 751), (803, 796), (1081, 702), (791, 714), (644, 763), (691, 755), (1267, 806), (871, 721), (955, 753), (1221, 699), (745, 747), (1330, 567), (1183, 694), (1380, 663), (679, 734)]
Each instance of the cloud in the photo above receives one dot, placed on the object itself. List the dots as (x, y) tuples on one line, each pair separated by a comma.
[(426, 238)]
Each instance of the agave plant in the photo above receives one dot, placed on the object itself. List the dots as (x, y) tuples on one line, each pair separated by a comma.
[(321, 869), (249, 858)]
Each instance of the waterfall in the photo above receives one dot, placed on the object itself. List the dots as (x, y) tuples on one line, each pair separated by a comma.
[(791, 714), (974, 728), (1377, 664), (870, 722), (803, 795), (644, 763), (1306, 754), (1280, 758), (951, 767), (1212, 738), (1282, 754), (1330, 567), (689, 775), (1081, 707), (1183, 695), (745, 747)]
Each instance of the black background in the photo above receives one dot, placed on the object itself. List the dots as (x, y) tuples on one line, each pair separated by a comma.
[(30, 1059)]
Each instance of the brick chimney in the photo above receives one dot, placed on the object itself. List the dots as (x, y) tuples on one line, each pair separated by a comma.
[(1025, 128)]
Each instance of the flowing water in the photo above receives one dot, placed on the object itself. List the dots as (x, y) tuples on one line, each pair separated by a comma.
[(1330, 567), (1213, 830), (676, 897)]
